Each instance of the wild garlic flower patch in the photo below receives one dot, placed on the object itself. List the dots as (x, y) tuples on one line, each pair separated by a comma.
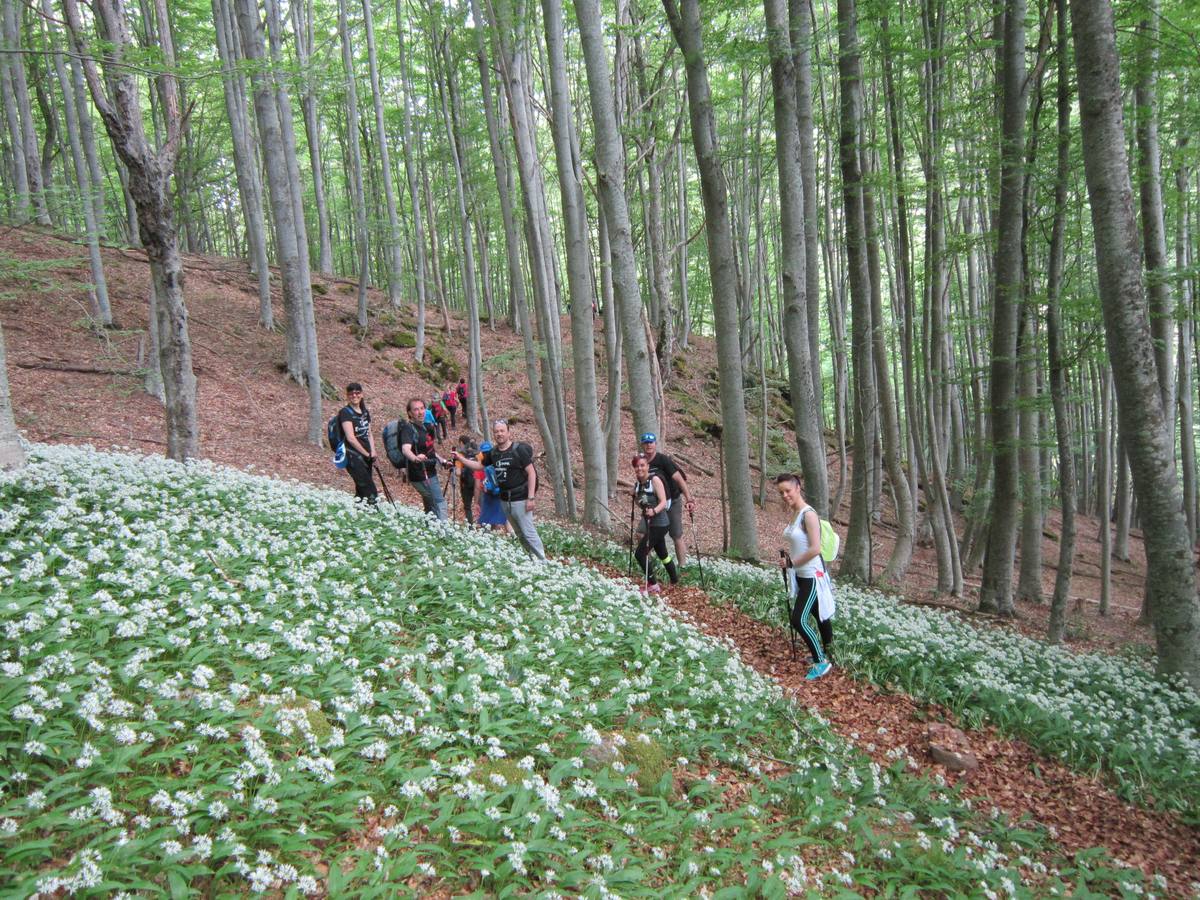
[(217, 683), (1091, 709)]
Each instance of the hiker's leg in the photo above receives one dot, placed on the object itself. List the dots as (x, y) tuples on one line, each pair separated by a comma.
[(675, 520), (826, 626), (521, 521), (360, 470), (659, 537), (803, 611)]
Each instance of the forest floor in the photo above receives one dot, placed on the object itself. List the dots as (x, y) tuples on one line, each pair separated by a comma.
[(73, 384)]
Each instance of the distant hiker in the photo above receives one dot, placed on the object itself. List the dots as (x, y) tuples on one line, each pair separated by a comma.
[(676, 484), (462, 391), (650, 494), (811, 590), (516, 478), (440, 414), (467, 479), (450, 401), (417, 444), (491, 513), (354, 420)]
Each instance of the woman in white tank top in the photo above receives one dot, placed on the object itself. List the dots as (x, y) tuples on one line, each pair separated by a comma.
[(804, 544)]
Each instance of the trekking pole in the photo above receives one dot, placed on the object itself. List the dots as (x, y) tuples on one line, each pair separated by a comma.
[(787, 602), (696, 547), (646, 575), (387, 493), (453, 494), (629, 561)]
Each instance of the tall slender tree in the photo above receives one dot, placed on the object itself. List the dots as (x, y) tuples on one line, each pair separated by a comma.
[(579, 270), (805, 404), (610, 176), (996, 590), (685, 26), (149, 185), (1172, 589)]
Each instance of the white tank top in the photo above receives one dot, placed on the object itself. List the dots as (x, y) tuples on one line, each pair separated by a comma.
[(798, 545)]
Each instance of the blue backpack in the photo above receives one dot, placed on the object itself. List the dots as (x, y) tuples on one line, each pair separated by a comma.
[(489, 473)]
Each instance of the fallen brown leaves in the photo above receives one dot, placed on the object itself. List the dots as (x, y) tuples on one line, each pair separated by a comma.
[(1080, 811)]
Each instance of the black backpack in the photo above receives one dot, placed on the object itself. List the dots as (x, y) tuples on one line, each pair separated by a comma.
[(391, 444), (333, 432)]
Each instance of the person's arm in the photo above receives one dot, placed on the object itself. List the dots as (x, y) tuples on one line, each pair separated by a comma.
[(531, 474), (352, 439), (680, 479)]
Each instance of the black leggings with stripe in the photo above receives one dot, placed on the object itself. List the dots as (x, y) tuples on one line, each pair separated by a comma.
[(805, 607)]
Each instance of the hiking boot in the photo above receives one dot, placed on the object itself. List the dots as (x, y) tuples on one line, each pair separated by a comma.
[(654, 589), (819, 670)]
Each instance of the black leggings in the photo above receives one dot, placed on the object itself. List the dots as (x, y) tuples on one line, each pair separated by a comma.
[(467, 487), (655, 539), (805, 606), (359, 468)]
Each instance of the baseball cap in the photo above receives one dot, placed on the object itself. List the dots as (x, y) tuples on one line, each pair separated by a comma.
[(649, 438), (485, 447)]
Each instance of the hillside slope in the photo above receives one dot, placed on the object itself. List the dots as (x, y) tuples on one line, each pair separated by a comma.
[(71, 384)]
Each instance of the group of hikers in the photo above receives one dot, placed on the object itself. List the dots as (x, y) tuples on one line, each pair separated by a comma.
[(501, 472)]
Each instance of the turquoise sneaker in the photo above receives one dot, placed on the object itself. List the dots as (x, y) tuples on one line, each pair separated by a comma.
[(819, 670)]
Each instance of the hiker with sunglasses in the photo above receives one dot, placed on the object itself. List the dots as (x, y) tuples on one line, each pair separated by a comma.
[(809, 588)]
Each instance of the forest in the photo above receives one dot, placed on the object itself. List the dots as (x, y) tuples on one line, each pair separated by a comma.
[(956, 244), (918, 218)]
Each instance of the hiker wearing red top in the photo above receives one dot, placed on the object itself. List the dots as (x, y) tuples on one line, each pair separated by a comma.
[(440, 413), (450, 401), (462, 392)]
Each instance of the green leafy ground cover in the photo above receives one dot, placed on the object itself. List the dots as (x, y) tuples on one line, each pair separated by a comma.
[(215, 684), (1096, 712)]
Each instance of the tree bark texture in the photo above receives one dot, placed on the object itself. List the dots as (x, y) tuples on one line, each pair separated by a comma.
[(12, 454)]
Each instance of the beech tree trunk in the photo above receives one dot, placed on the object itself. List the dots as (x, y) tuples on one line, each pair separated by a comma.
[(856, 551), (414, 192), (245, 165), (1059, 387), (685, 26), (83, 177), (996, 589), (610, 176), (810, 441), (1154, 239), (579, 272), (474, 351), (395, 262), (12, 454), (149, 181), (21, 94), (1171, 587), (302, 25), (358, 196)]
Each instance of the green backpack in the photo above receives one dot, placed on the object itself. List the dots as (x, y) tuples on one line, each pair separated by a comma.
[(830, 542)]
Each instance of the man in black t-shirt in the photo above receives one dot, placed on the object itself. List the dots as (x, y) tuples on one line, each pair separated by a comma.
[(418, 443), (355, 423), (517, 479), (677, 487)]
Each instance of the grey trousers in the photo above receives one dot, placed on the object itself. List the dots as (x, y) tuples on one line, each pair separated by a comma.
[(431, 496), (521, 521)]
